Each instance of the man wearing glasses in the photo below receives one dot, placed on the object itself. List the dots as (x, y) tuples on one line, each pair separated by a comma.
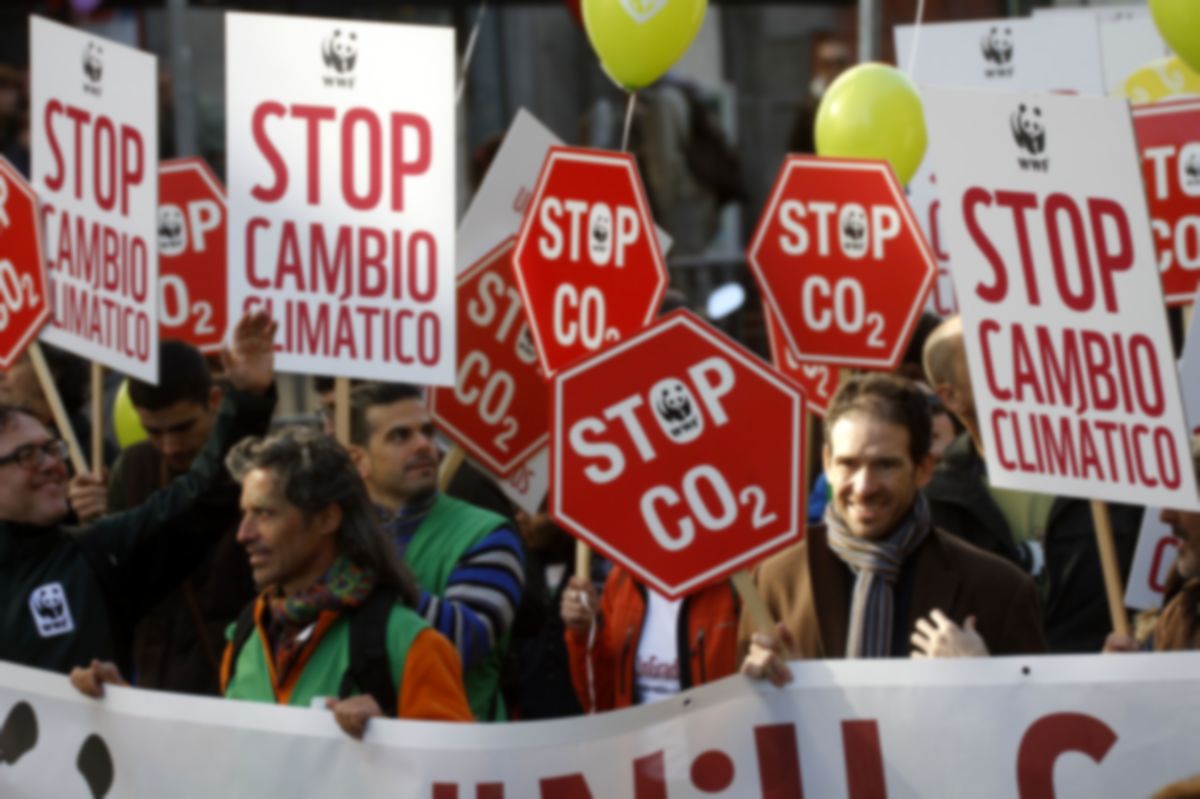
[(70, 596)]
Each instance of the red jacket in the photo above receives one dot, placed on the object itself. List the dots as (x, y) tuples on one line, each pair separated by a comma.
[(708, 619)]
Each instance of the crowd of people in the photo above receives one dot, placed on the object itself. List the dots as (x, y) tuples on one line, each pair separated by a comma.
[(223, 557)]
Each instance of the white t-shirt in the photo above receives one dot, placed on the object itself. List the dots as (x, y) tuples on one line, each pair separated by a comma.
[(656, 665)]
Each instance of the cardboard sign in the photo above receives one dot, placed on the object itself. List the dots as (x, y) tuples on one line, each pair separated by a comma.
[(24, 306), (650, 459), (841, 262), (192, 235), (1046, 54), (1066, 336), (1168, 136), (1157, 547), (340, 136), (95, 165), (498, 410), (587, 262)]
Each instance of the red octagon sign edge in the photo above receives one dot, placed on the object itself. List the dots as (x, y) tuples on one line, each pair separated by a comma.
[(603, 158), (793, 162), (13, 178), (761, 369)]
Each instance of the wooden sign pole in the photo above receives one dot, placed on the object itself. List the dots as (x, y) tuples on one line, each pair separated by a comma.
[(61, 420), (1108, 562), (97, 419), (341, 409)]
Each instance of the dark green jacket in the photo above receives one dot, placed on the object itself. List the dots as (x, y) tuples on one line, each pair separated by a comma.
[(68, 595), (1074, 611)]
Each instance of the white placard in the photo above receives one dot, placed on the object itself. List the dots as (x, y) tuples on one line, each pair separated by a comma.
[(1047, 54), (1070, 357), (528, 485), (1128, 42), (340, 137), (1157, 547), (1083, 726), (95, 167)]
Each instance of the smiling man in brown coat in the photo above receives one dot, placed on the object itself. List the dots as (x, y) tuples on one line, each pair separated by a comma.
[(875, 579)]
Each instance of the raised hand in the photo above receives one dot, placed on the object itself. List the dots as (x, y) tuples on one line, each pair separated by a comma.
[(249, 358)]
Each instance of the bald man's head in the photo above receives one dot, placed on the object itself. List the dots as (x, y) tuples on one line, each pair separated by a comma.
[(945, 361)]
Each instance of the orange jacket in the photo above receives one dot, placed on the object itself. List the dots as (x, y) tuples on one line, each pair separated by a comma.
[(708, 619), (431, 683)]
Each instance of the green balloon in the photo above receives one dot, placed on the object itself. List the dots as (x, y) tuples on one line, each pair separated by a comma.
[(639, 40), (125, 419), (873, 111), (1178, 22)]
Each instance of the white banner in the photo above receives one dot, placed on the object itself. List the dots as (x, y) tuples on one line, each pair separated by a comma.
[(1071, 363), (340, 137), (95, 168), (1157, 547), (1086, 726)]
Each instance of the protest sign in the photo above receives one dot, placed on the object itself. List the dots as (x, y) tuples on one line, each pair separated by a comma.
[(650, 462), (587, 262), (1064, 324), (191, 249), (23, 303), (1168, 137), (1046, 54), (1157, 548), (497, 409), (529, 483), (841, 262), (1119, 726), (818, 380), (340, 139), (94, 112)]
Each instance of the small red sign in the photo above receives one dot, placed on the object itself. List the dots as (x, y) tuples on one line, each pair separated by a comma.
[(23, 304), (498, 409), (587, 260), (191, 254), (678, 454), (818, 380), (1168, 136), (841, 262)]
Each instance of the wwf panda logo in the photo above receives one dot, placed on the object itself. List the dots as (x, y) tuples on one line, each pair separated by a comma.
[(997, 45), (853, 229), (172, 239), (525, 349), (600, 234), (1028, 129), (1191, 170), (93, 66), (676, 410), (340, 51), (51, 613)]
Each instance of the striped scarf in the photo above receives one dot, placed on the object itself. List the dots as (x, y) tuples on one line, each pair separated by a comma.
[(877, 566)]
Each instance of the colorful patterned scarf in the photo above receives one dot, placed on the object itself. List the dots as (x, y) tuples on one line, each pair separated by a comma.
[(877, 565), (344, 585)]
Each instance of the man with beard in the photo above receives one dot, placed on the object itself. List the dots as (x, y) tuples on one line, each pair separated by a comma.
[(468, 561), (1051, 538)]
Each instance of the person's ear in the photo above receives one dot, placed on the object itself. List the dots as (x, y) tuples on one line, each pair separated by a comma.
[(924, 470), (358, 456), (328, 520)]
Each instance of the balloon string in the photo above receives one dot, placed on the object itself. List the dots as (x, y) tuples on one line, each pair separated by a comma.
[(628, 120), (468, 53), (912, 53)]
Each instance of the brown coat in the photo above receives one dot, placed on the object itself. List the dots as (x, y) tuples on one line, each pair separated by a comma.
[(808, 588)]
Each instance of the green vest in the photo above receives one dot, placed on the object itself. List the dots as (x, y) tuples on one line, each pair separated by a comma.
[(322, 676), (447, 532)]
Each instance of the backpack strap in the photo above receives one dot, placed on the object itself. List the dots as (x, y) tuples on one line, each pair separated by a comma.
[(370, 669)]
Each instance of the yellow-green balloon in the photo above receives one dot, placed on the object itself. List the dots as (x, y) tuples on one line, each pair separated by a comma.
[(1161, 79), (1178, 22), (128, 427), (873, 111), (638, 40)]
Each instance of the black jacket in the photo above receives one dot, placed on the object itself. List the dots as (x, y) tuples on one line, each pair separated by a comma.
[(1074, 608), (68, 595)]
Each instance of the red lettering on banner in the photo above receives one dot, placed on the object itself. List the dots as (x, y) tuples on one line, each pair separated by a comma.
[(996, 292), (650, 777), (1158, 580), (571, 786), (1052, 736), (778, 761), (712, 771), (118, 156), (1018, 202), (258, 129), (864, 760)]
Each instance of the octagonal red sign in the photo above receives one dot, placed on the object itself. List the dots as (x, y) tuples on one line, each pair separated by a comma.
[(818, 380), (191, 254), (841, 262), (587, 261), (1168, 136), (497, 410), (23, 305), (678, 454)]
